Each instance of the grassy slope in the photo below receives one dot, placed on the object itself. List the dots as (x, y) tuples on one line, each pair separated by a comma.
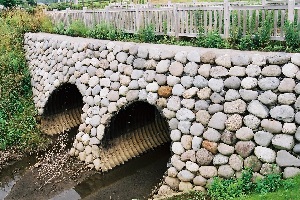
[(17, 112), (292, 193)]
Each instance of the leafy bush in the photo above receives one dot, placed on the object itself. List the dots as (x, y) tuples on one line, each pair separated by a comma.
[(211, 40), (292, 36), (246, 43), (146, 34), (105, 31), (77, 28), (17, 112), (235, 188)]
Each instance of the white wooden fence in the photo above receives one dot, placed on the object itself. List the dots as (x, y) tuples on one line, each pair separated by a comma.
[(185, 21)]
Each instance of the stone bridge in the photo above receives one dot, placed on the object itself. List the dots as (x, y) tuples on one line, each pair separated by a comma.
[(220, 110)]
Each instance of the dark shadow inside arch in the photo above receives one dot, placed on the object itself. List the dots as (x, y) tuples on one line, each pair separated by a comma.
[(63, 98), (134, 118), (134, 130), (62, 110)]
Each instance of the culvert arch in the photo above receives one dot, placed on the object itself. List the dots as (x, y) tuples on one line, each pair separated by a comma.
[(62, 110), (134, 130)]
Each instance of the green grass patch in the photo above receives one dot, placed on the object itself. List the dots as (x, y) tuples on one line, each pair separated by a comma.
[(18, 125), (271, 187)]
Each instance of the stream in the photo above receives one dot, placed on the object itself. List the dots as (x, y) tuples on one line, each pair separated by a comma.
[(135, 179)]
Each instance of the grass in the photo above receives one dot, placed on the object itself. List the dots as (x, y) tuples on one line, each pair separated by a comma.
[(18, 125), (290, 190), (292, 193)]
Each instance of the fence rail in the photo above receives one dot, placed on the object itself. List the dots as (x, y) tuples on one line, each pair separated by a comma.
[(185, 21)]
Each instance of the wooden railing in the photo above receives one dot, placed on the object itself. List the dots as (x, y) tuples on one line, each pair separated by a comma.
[(186, 21)]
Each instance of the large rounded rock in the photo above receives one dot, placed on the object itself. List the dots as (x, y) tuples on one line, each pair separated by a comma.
[(232, 82), (251, 121), (290, 172), (244, 148), (285, 159), (165, 91), (234, 122), (237, 71), (218, 71), (210, 146), (287, 85), (177, 148), (268, 97), (263, 138), (185, 115), (290, 70), (217, 121), (284, 113), (252, 162), (225, 171), (225, 149), (244, 133), (216, 84), (174, 103), (208, 171), (271, 70), (196, 129), (238, 106), (185, 175), (212, 135), (172, 182), (204, 157), (236, 162), (271, 126), (268, 83), (249, 83), (176, 68), (220, 159), (296, 59), (283, 141), (258, 109), (228, 137), (265, 154), (191, 166)]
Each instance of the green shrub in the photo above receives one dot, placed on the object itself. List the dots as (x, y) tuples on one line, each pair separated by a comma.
[(17, 112), (262, 37), (105, 31), (246, 43), (292, 36), (59, 28), (146, 34), (77, 28), (211, 40)]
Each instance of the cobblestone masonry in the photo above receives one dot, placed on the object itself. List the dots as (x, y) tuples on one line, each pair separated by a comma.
[(226, 109)]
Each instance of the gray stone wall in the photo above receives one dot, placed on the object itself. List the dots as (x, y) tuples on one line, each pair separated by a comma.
[(226, 109)]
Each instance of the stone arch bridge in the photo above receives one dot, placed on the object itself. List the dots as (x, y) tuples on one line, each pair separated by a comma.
[(221, 110)]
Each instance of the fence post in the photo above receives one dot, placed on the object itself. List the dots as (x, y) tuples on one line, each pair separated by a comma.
[(226, 19), (67, 17), (84, 15), (176, 20), (107, 15), (137, 19), (263, 2), (291, 8)]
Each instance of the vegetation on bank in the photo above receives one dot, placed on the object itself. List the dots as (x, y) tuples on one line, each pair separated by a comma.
[(260, 40), (271, 187), (17, 112)]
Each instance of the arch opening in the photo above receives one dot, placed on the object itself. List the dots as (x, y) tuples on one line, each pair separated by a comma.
[(134, 130), (62, 110)]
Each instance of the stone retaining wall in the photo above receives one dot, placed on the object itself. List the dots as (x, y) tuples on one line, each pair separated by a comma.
[(226, 109)]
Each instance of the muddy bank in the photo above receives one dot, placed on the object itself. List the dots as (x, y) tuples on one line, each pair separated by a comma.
[(55, 175)]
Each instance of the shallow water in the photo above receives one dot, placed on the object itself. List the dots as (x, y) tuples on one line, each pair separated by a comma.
[(133, 180), (11, 174)]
